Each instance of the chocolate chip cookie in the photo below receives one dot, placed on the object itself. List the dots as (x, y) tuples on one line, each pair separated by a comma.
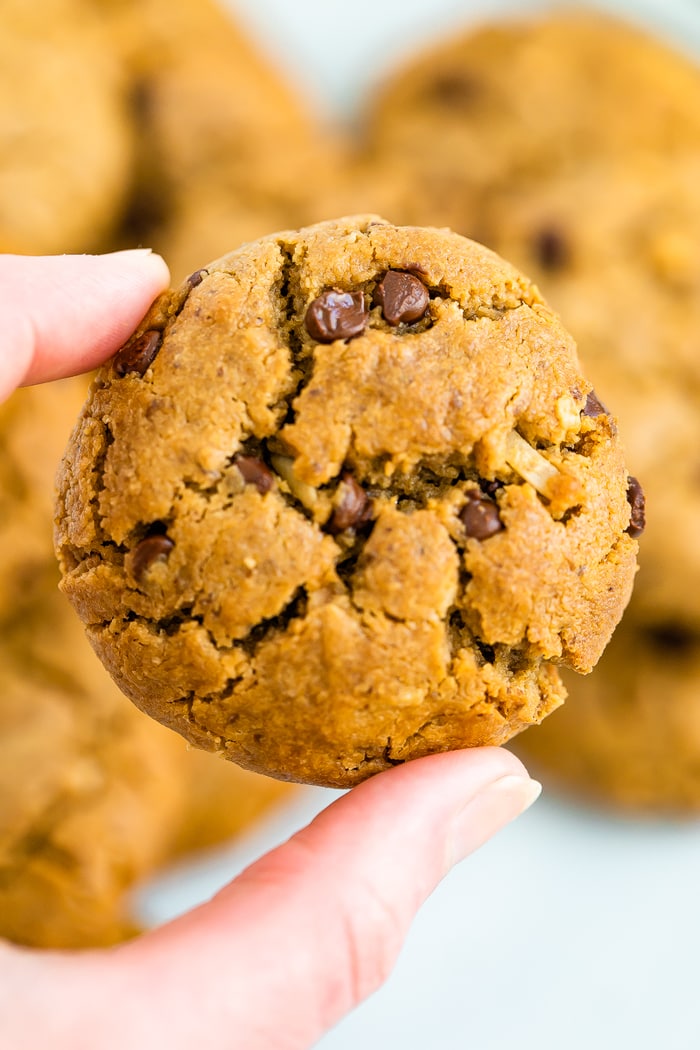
[(343, 500), (93, 795), (522, 100), (65, 139), (227, 146), (629, 735), (618, 249)]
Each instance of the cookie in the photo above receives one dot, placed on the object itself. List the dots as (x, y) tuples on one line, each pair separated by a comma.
[(340, 503), (618, 249), (214, 121), (93, 795), (65, 139), (519, 101), (629, 735)]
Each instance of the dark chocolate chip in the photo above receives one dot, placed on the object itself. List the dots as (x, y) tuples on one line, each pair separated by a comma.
[(454, 88), (255, 472), (635, 498), (402, 297), (138, 355), (149, 550), (480, 516), (354, 507), (490, 487), (593, 406), (551, 249), (196, 278), (336, 315), (673, 638)]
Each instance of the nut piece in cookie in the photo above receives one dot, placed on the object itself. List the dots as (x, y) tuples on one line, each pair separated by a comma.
[(357, 508)]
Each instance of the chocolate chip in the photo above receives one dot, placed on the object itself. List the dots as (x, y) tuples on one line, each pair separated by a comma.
[(593, 406), (673, 638), (255, 472), (196, 278), (635, 498), (480, 516), (149, 550), (454, 88), (490, 487), (551, 249), (402, 297), (336, 315), (354, 507), (139, 355)]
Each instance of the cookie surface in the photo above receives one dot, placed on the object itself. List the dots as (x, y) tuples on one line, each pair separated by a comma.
[(342, 501)]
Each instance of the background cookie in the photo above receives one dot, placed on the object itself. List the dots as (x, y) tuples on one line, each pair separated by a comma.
[(352, 504), (66, 144), (93, 795), (522, 100), (219, 131), (629, 734)]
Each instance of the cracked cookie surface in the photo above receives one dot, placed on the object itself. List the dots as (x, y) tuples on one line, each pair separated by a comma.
[(344, 500)]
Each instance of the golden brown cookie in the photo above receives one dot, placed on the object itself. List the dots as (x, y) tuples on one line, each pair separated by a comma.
[(93, 795), (228, 149), (340, 503), (618, 250), (522, 100), (65, 140), (629, 734)]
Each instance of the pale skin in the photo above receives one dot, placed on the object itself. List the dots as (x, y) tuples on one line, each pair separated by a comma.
[(306, 933)]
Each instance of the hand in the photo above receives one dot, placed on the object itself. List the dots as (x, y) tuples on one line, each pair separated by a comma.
[(311, 929)]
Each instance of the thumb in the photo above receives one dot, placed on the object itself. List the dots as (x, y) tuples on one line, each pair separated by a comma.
[(314, 927), (64, 314)]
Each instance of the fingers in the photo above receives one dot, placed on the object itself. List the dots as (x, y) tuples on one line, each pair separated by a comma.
[(316, 926), (64, 314)]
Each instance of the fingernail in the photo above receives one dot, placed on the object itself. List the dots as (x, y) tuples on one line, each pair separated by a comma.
[(494, 806), (133, 251)]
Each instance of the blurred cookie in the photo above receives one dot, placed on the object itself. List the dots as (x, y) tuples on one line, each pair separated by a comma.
[(93, 795), (65, 139), (521, 100), (617, 249), (220, 131), (340, 503), (629, 734)]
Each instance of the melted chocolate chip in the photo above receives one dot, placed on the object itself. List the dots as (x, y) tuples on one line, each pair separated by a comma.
[(149, 550), (480, 517), (196, 278), (139, 355), (354, 507), (593, 406), (635, 498), (402, 297), (255, 472), (336, 315), (551, 249)]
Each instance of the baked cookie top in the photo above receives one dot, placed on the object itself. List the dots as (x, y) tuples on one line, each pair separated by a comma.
[(345, 499)]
